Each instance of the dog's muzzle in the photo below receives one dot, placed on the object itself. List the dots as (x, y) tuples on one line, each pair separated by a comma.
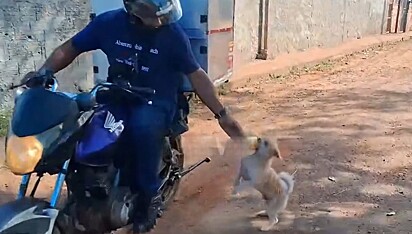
[(253, 142)]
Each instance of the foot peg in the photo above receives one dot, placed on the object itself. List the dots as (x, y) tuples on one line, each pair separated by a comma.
[(193, 167)]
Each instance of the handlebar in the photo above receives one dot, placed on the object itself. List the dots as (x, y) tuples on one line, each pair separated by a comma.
[(127, 88), (48, 81), (105, 93), (122, 91)]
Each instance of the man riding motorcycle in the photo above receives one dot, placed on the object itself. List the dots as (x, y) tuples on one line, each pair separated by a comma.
[(145, 36)]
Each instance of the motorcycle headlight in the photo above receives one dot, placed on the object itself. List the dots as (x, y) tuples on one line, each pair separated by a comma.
[(23, 154)]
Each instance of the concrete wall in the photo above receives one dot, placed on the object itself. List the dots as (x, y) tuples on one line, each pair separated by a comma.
[(409, 23), (296, 25), (30, 30), (246, 31)]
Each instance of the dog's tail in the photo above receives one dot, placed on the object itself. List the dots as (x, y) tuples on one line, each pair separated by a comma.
[(289, 181)]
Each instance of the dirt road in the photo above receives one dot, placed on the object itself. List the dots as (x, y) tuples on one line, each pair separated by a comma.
[(346, 125)]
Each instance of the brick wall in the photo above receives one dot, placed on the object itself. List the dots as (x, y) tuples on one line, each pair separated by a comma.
[(29, 32)]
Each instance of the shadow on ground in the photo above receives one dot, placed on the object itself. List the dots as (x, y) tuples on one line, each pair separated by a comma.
[(352, 148), (6, 197)]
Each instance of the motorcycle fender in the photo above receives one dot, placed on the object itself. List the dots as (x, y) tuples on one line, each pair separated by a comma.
[(27, 215)]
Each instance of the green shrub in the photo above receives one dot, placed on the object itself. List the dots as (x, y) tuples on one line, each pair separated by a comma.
[(4, 122)]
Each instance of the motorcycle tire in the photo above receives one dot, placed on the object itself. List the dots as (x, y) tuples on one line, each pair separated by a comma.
[(56, 230), (170, 191)]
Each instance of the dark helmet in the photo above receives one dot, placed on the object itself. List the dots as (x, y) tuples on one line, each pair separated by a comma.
[(161, 11)]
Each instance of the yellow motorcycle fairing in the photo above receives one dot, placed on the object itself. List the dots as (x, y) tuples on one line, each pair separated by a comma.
[(23, 154)]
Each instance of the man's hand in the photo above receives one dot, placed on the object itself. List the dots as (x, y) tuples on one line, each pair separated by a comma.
[(29, 76), (207, 93), (231, 127), (35, 78)]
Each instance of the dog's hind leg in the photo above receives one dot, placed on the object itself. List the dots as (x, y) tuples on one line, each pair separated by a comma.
[(272, 210), (273, 220)]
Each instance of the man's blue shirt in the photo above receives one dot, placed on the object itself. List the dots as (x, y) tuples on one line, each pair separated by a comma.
[(163, 54)]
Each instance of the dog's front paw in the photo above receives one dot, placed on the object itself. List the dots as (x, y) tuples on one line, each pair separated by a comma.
[(235, 191), (235, 195)]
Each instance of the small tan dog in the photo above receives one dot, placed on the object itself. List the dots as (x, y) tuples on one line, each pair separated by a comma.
[(256, 171)]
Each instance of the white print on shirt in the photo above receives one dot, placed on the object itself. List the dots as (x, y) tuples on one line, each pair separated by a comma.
[(125, 61), (154, 51), (130, 63), (138, 47), (124, 44), (128, 45)]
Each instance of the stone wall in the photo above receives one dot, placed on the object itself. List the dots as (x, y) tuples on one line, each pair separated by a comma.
[(29, 32)]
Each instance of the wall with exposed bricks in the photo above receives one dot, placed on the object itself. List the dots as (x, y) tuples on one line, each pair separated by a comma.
[(30, 30)]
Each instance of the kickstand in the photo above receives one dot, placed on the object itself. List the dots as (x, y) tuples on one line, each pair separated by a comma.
[(191, 168)]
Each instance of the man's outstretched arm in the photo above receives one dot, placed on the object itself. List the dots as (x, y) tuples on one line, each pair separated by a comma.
[(207, 93), (204, 88), (61, 57), (86, 40)]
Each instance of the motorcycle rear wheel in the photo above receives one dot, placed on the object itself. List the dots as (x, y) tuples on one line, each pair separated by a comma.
[(56, 230), (170, 191)]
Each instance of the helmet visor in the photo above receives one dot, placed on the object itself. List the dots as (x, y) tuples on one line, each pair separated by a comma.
[(163, 11)]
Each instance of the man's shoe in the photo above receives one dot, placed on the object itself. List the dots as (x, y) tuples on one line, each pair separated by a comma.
[(145, 223), (155, 209)]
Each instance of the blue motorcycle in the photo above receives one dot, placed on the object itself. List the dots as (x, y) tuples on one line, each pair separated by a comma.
[(79, 139)]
